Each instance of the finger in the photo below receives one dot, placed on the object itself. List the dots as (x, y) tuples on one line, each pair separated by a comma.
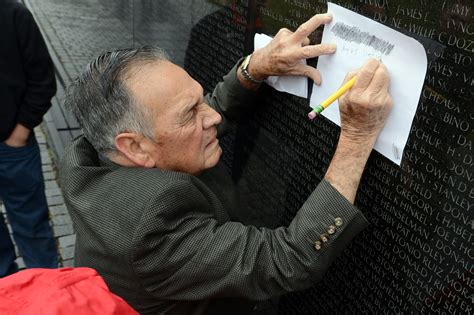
[(312, 51), (381, 80), (307, 71), (305, 42), (305, 29), (348, 76), (366, 73), (282, 33)]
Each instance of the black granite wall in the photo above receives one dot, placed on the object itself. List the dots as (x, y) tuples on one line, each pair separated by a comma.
[(416, 257)]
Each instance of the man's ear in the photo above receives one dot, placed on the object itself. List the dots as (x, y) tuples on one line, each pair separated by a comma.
[(136, 148)]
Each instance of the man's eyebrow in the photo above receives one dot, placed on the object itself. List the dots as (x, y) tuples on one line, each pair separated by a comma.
[(191, 102), (193, 99)]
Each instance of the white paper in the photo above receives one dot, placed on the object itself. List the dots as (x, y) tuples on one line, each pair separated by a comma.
[(296, 85), (406, 63)]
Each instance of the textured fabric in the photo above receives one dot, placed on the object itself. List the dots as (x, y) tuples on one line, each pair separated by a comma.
[(65, 291), (22, 192), (27, 81), (163, 240)]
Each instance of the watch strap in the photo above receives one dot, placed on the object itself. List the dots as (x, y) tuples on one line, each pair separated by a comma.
[(245, 72)]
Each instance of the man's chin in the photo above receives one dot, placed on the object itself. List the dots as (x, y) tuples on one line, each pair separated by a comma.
[(214, 158), (211, 161), (217, 154)]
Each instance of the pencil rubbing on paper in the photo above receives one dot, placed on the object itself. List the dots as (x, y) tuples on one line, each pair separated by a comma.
[(354, 34)]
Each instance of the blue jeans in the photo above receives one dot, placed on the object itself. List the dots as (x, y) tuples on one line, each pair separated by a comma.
[(22, 192)]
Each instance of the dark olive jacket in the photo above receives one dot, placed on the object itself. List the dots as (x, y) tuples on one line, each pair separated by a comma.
[(164, 241)]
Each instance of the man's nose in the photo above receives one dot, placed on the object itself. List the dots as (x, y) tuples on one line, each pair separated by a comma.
[(211, 118)]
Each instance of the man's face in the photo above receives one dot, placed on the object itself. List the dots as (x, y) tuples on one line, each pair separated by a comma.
[(185, 126)]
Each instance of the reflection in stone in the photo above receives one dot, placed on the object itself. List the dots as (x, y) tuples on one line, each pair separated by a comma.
[(168, 23)]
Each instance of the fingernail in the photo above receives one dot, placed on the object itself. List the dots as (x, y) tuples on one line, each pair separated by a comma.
[(329, 15), (332, 47)]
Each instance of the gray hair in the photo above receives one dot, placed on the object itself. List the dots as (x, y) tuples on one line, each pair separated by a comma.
[(102, 102)]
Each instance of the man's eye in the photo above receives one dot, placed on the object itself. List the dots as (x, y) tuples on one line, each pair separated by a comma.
[(192, 113)]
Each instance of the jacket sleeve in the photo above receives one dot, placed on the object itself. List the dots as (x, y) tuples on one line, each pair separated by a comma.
[(39, 70), (230, 99), (183, 253)]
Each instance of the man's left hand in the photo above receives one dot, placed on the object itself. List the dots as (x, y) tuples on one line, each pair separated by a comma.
[(282, 56)]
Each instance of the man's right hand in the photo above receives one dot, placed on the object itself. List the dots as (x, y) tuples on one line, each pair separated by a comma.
[(19, 137), (364, 109)]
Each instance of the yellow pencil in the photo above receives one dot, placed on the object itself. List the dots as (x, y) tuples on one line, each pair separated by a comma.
[(318, 109)]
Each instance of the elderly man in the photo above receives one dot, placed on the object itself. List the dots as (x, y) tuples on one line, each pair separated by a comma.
[(158, 235)]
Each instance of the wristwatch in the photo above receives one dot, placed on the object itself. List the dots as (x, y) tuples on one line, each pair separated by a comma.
[(245, 72)]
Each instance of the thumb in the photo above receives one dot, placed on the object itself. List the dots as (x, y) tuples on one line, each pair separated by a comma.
[(349, 75)]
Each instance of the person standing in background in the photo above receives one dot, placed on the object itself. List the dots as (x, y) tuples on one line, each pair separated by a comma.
[(27, 84)]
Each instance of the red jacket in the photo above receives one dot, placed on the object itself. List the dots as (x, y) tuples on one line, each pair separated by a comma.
[(64, 291)]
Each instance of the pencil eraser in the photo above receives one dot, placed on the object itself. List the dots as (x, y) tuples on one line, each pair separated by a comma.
[(311, 115)]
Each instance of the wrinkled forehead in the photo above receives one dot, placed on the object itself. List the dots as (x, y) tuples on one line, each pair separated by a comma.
[(160, 84)]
